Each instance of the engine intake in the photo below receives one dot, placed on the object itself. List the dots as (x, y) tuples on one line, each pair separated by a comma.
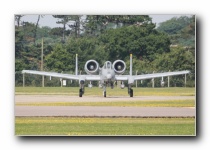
[(91, 67), (119, 66)]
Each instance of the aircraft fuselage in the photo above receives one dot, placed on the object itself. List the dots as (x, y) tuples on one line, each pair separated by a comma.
[(107, 72)]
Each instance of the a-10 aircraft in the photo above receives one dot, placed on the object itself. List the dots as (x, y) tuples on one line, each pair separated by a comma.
[(106, 75)]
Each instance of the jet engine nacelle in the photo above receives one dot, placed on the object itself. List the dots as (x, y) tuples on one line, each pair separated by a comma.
[(91, 67), (119, 66)]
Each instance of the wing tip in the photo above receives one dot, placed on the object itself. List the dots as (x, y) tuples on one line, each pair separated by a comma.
[(23, 71), (188, 71)]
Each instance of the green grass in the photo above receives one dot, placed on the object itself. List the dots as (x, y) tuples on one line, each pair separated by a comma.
[(150, 103), (104, 126), (110, 92)]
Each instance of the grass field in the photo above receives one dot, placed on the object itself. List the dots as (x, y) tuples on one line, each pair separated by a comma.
[(165, 103), (104, 126), (110, 92)]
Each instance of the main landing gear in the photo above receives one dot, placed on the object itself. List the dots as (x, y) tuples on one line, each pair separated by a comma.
[(82, 89), (130, 91)]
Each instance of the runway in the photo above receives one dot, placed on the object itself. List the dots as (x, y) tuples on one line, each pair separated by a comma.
[(104, 111), (100, 111)]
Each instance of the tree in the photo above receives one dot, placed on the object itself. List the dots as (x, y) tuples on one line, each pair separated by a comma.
[(18, 18), (19, 37), (64, 20), (59, 60), (94, 24), (35, 30), (97, 24), (104, 37), (174, 25), (178, 59), (142, 41), (87, 48), (58, 31), (181, 30), (77, 25)]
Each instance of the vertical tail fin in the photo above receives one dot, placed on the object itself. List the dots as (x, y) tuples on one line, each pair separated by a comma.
[(76, 67), (131, 65)]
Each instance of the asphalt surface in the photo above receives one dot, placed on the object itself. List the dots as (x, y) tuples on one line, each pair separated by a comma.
[(103, 111), (100, 111)]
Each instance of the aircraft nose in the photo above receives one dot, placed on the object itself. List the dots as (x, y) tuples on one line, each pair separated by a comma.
[(109, 76)]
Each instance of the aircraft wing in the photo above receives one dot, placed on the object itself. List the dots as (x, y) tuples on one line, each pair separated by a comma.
[(65, 76), (121, 77), (149, 76), (156, 75)]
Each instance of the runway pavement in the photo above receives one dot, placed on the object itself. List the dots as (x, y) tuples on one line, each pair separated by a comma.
[(100, 111), (104, 111)]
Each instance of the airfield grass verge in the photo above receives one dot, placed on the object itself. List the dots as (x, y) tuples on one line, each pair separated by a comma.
[(68, 126), (173, 91), (155, 103)]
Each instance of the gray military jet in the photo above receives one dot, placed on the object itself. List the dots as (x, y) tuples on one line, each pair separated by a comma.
[(108, 74)]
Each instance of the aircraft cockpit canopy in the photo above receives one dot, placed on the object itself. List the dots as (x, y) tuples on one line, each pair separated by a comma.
[(107, 65)]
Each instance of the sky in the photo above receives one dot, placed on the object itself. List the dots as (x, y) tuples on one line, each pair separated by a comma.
[(49, 20)]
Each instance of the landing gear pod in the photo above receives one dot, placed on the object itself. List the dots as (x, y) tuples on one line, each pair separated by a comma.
[(162, 83)]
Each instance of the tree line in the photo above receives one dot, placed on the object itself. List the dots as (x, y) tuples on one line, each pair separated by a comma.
[(106, 37)]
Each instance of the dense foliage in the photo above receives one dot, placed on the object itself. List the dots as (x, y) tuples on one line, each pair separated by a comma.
[(181, 30), (106, 37)]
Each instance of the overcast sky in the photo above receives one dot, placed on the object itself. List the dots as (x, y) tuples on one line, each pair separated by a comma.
[(49, 20)]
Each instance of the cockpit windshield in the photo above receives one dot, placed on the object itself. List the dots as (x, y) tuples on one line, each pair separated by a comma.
[(108, 65)]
